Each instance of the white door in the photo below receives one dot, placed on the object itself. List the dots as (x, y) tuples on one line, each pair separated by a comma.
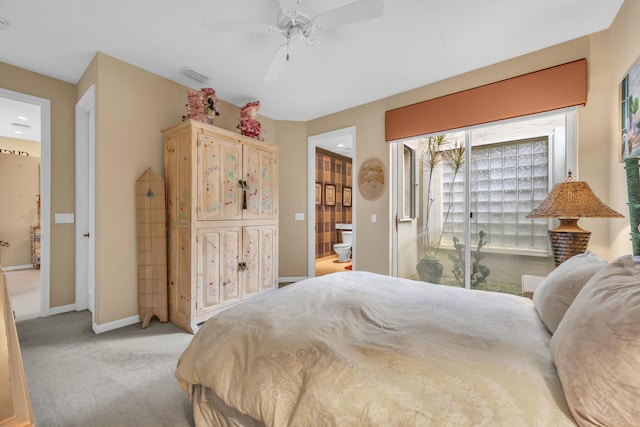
[(404, 209), (85, 201)]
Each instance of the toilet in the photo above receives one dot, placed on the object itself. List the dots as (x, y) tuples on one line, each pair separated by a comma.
[(344, 249)]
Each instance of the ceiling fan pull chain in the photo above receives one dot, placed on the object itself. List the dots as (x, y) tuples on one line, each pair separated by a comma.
[(288, 44)]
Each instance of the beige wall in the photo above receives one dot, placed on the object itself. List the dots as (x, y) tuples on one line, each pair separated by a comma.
[(19, 187), (624, 52), (292, 137), (372, 246), (593, 149), (133, 105), (593, 128), (14, 144), (63, 98)]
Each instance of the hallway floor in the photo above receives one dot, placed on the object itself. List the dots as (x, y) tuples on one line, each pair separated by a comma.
[(24, 292), (24, 286)]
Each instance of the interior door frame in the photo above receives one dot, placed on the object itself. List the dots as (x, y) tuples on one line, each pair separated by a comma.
[(312, 143), (45, 193), (85, 202)]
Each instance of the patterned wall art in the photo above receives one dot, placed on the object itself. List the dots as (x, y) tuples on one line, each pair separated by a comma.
[(629, 114), (329, 195), (371, 179), (318, 193), (346, 196)]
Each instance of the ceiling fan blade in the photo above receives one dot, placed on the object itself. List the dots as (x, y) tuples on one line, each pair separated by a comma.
[(235, 27), (277, 64), (357, 11), (289, 5)]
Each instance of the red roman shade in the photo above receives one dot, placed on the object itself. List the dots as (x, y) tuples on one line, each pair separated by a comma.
[(544, 90)]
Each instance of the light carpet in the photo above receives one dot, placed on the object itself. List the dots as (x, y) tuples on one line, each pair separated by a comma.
[(123, 377)]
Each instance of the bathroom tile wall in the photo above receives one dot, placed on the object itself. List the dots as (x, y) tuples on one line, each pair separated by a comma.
[(333, 169)]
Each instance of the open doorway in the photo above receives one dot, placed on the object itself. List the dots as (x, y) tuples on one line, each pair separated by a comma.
[(25, 143), (331, 207)]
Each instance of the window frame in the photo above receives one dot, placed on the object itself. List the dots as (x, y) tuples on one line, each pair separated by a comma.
[(543, 250), (409, 183), (561, 160)]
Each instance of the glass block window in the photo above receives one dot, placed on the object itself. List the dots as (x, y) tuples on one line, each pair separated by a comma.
[(508, 180)]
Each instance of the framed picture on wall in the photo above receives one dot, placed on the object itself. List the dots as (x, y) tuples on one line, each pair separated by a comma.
[(346, 196), (629, 114), (329, 195), (318, 193)]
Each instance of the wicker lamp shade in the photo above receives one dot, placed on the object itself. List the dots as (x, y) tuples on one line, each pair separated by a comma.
[(569, 201)]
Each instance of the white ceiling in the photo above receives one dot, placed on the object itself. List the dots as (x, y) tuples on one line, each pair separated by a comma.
[(19, 120), (342, 145), (415, 42)]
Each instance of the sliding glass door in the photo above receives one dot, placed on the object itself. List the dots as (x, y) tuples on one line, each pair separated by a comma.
[(471, 191)]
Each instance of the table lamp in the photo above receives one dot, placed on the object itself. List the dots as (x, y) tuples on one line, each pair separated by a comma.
[(569, 201)]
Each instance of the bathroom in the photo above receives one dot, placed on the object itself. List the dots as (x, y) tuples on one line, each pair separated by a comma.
[(333, 211)]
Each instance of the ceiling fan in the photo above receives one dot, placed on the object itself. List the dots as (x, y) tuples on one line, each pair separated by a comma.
[(297, 26)]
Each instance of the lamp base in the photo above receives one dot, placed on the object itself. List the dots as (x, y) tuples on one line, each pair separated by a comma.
[(565, 244)]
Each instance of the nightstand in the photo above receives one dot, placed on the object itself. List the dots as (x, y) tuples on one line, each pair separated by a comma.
[(530, 284)]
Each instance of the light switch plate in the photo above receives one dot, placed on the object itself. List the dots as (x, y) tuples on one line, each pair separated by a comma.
[(64, 218), (374, 218), (299, 216)]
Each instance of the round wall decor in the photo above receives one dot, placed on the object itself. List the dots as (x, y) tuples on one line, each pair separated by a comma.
[(371, 179)]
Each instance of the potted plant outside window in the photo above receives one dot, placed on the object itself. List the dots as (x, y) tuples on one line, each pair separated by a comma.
[(436, 152)]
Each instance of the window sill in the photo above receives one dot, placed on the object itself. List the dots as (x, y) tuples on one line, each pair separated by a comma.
[(508, 251)]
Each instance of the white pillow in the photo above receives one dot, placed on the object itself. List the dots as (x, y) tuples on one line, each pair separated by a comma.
[(596, 348), (557, 291)]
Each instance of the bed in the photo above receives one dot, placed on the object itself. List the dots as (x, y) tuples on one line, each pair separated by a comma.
[(363, 349)]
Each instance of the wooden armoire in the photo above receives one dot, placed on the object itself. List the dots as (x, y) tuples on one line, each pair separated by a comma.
[(222, 211)]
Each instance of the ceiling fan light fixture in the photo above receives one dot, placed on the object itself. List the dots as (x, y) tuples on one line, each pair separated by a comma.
[(296, 22), (195, 75), (296, 34)]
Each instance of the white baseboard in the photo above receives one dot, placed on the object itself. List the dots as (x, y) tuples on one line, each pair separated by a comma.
[(103, 327), (61, 309), (18, 267), (291, 279), (109, 326)]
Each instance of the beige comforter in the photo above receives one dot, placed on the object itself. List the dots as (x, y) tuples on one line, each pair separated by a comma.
[(361, 349)]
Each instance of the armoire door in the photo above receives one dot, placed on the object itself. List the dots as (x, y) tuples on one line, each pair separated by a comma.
[(259, 172), (218, 267), (259, 255), (218, 176), (178, 275)]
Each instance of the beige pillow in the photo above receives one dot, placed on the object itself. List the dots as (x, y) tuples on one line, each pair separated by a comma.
[(557, 291), (596, 348)]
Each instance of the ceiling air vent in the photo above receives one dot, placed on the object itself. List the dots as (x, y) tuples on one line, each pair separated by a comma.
[(195, 75)]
